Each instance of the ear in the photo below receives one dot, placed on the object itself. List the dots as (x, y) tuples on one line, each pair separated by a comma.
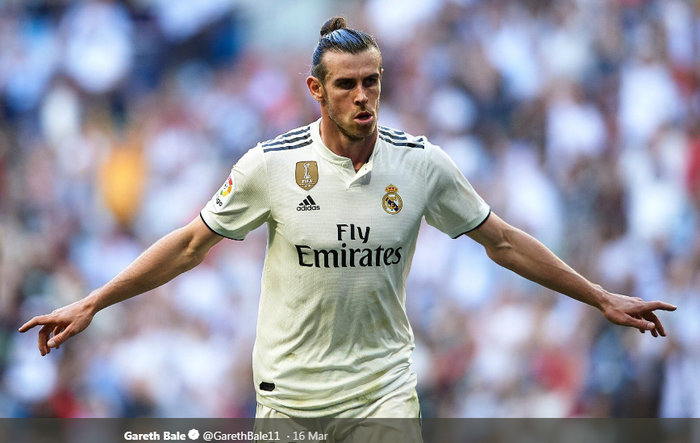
[(315, 88)]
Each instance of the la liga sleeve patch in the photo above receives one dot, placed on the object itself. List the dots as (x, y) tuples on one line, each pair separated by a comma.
[(226, 192)]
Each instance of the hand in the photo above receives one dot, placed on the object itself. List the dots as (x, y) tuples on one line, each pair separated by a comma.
[(63, 323), (635, 312)]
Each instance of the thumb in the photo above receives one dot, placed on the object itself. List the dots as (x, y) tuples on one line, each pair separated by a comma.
[(640, 324), (59, 339)]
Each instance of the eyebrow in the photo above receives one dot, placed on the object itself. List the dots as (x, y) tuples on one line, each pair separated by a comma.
[(341, 79)]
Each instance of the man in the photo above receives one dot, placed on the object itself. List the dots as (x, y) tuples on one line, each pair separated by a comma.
[(343, 199)]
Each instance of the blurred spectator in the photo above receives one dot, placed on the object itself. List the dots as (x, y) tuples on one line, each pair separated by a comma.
[(98, 44)]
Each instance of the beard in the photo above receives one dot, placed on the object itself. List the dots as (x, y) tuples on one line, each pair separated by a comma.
[(349, 130)]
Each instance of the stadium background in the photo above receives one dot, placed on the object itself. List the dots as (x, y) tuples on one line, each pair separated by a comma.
[(576, 120)]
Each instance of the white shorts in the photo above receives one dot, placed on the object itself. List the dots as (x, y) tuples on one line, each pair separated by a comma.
[(375, 422)]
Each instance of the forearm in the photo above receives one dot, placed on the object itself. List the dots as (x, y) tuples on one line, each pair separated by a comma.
[(166, 259), (526, 256)]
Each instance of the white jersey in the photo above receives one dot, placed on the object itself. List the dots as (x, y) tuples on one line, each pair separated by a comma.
[(332, 331)]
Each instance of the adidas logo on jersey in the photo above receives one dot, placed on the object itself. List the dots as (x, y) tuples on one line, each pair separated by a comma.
[(308, 205)]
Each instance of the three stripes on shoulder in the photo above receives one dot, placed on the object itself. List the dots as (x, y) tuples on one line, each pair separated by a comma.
[(400, 138), (290, 140), (302, 137)]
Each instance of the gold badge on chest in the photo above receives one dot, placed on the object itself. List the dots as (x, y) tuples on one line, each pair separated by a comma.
[(306, 174), (391, 202)]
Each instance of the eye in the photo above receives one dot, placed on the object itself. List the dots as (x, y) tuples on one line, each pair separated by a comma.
[(345, 84), (370, 82)]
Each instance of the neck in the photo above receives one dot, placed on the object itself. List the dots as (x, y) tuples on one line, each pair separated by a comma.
[(356, 149)]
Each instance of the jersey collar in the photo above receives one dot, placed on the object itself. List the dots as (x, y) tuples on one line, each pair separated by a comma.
[(334, 158)]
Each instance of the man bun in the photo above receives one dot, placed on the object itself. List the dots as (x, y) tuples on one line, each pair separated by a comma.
[(332, 24), (346, 40)]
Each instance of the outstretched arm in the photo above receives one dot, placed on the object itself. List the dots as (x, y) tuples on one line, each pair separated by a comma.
[(177, 252), (523, 254)]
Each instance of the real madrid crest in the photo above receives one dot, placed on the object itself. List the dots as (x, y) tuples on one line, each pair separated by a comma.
[(391, 202), (306, 174)]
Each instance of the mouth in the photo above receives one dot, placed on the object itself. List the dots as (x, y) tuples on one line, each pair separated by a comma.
[(364, 118)]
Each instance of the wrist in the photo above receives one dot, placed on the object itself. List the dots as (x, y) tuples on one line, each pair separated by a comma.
[(601, 298), (92, 303)]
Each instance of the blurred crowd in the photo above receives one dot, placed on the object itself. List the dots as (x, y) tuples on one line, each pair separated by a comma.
[(577, 121)]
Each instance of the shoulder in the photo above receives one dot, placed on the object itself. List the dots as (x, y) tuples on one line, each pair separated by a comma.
[(294, 139), (416, 149), (407, 147), (400, 139)]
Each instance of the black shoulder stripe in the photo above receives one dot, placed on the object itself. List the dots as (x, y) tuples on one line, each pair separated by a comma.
[(286, 136), (399, 138), (300, 131), (392, 131), (393, 136), (284, 148), (395, 143), (287, 141)]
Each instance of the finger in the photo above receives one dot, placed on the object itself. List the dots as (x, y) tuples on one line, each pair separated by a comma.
[(658, 328), (57, 330), (650, 316), (59, 339), (639, 324), (38, 320), (657, 323), (659, 305), (654, 332), (43, 337), (639, 317)]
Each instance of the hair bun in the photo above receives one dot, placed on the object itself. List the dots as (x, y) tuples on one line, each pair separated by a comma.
[(332, 24)]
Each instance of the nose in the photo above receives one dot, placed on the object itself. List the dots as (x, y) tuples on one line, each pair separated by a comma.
[(361, 96)]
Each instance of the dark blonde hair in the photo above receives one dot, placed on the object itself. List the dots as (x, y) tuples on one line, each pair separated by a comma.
[(336, 36)]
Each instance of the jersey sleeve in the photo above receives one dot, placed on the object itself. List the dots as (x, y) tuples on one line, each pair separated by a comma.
[(453, 206), (243, 202)]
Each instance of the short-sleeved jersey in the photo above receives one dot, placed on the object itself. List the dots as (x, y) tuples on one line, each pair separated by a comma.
[(332, 331)]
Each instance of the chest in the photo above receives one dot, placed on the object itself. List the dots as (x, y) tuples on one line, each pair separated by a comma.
[(327, 206)]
